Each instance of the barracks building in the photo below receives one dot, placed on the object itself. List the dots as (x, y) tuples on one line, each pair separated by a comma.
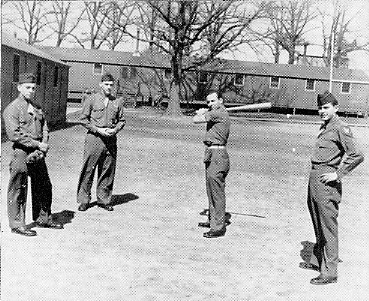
[(51, 77), (286, 86)]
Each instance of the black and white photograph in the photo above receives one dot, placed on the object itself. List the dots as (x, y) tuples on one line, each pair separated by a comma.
[(168, 150)]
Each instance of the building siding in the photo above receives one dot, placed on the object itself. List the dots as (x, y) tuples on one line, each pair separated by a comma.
[(53, 100)]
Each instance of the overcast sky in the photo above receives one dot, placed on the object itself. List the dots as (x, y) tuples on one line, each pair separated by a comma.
[(356, 9)]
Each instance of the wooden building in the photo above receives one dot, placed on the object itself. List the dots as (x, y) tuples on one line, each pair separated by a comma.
[(286, 86), (290, 86), (130, 71), (51, 77)]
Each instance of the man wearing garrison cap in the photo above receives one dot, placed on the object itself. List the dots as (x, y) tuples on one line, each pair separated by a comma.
[(26, 127), (329, 165), (102, 116)]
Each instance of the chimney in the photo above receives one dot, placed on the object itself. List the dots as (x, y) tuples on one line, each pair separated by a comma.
[(137, 52), (306, 44)]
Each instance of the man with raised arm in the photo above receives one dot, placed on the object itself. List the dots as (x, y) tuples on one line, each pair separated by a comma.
[(216, 161)]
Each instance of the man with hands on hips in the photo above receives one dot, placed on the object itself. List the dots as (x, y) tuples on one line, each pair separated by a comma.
[(335, 155), (102, 116)]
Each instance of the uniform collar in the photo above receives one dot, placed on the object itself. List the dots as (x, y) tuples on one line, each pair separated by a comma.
[(217, 106), (333, 120), (30, 109), (110, 97), (330, 123)]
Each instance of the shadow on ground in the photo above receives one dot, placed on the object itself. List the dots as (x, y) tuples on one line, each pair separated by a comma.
[(229, 214), (119, 199), (307, 250), (62, 217)]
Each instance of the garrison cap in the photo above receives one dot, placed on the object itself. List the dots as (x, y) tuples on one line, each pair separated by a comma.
[(325, 98), (28, 78), (107, 77)]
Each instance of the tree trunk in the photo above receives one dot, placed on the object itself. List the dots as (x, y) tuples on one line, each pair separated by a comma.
[(174, 101), (291, 57)]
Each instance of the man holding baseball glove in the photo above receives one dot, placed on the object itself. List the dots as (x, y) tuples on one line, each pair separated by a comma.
[(102, 116), (26, 127)]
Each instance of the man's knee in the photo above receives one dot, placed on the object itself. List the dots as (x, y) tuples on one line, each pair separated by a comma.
[(217, 176), (18, 167)]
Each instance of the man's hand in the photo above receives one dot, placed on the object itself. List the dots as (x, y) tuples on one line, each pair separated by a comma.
[(102, 131), (202, 111), (200, 116), (328, 177), (44, 147), (110, 132), (35, 156)]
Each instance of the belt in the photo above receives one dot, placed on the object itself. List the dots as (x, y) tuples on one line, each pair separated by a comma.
[(217, 146), (322, 166)]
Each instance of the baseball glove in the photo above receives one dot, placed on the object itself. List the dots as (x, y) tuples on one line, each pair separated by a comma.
[(35, 156)]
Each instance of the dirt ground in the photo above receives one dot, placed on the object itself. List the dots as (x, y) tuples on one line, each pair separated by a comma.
[(150, 247)]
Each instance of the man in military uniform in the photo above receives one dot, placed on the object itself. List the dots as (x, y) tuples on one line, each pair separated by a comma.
[(329, 165), (216, 161), (102, 116), (26, 127)]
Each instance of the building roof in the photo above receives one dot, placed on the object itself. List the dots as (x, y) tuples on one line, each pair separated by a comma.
[(108, 57), (219, 66), (15, 43), (285, 70)]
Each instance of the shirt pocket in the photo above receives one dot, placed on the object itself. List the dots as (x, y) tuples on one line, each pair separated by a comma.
[(327, 141), (113, 113), (24, 119)]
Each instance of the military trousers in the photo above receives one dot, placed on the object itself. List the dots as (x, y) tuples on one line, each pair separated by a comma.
[(216, 170), (41, 189), (100, 153), (323, 203)]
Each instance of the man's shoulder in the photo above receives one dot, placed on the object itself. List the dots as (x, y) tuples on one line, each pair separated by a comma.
[(220, 111), (343, 127), (119, 100), (15, 104)]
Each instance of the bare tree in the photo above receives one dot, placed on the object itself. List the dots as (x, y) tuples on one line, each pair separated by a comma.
[(30, 17), (118, 16), (341, 27), (177, 27), (231, 29), (288, 21), (94, 17), (62, 21)]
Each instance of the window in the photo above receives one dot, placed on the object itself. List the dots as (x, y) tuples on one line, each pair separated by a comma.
[(310, 85), (56, 76), (124, 72), (38, 73), (345, 88), (203, 77), (239, 80), (16, 61), (133, 72), (274, 82), (98, 68)]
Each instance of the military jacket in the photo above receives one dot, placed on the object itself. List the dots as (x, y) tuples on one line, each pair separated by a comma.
[(98, 111), (335, 146), (217, 126), (25, 124)]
